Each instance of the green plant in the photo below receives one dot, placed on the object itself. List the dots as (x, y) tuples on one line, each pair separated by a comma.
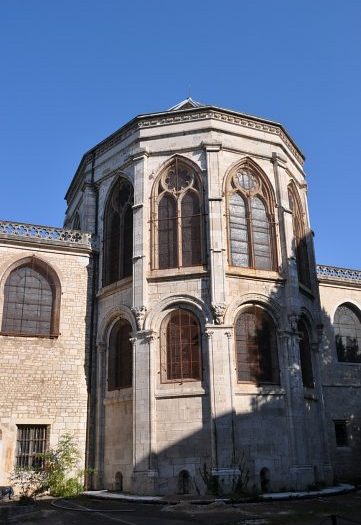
[(29, 481), (62, 476), (210, 481)]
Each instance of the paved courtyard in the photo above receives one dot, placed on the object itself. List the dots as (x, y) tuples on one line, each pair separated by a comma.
[(108, 512)]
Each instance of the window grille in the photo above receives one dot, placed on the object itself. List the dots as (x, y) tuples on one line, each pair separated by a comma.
[(181, 348), (31, 300), (177, 224), (32, 440), (256, 347), (305, 354), (118, 236), (120, 356), (341, 433), (347, 326), (300, 241), (250, 220)]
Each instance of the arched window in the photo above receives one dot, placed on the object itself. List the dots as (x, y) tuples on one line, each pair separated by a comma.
[(31, 300), (76, 222), (250, 219), (120, 356), (118, 234), (177, 218), (305, 354), (299, 234), (180, 347), (347, 325), (256, 347)]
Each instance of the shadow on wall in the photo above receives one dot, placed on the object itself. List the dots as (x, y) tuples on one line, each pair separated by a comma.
[(281, 425)]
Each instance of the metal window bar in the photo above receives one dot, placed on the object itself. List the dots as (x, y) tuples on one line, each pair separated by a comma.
[(31, 441)]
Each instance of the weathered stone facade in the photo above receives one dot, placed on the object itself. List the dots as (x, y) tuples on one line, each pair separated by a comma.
[(144, 438)]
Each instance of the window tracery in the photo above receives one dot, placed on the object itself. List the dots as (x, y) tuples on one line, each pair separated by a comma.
[(180, 347), (118, 238), (177, 218), (250, 220), (256, 347), (347, 326)]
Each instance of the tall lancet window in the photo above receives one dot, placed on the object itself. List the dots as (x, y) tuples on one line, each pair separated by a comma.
[(299, 235), (118, 233), (250, 219), (177, 218)]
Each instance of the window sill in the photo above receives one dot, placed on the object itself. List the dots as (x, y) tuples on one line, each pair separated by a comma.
[(244, 389), (177, 273), (167, 394), (268, 275), (115, 287), (308, 393), (32, 336), (348, 363), (113, 397)]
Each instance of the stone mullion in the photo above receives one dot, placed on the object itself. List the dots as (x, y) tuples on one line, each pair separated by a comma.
[(100, 413)]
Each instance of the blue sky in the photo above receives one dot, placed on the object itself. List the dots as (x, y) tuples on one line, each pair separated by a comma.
[(74, 71)]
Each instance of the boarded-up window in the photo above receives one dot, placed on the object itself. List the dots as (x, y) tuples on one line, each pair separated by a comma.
[(250, 221), (347, 326), (181, 347), (118, 239), (32, 440), (305, 354), (300, 241), (31, 300), (177, 218), (120, 356), (256, 347)]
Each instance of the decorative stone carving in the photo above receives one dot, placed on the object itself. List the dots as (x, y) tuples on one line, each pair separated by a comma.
[(343, 274), (293, 320), (139, 314), (219, 310)]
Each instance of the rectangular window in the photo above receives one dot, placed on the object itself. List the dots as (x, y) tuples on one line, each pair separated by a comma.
[(341, 433), (32, 440)]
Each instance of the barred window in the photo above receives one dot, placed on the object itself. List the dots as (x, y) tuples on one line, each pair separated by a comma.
[(118, 233), (299, 234), (256, 347), (347, 326), (32, 440), (305, 354), (120, 356), (31, 300), (250, 219), (181, 347), (177, 218)]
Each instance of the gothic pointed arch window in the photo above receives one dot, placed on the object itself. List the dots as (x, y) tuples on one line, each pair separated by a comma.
[(347, 326), (118, 233), (256, 347), (299, 235), (250, 219), (31, 300), (177, 217), (120, 356), (305, 353), (180, 347)]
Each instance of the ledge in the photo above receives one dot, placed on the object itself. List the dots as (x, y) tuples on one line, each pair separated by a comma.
[(250, 273), (164, 394), (172, 274)]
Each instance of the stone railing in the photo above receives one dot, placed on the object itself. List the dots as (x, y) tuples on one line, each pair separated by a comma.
[(9, 229), (343, 274)]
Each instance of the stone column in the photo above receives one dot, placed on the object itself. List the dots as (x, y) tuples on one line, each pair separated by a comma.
[(144, 471), (89, 207), (221, 402), (140, 232), (100, 389)]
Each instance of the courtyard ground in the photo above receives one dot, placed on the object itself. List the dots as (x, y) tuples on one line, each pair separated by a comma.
[(108, 512)]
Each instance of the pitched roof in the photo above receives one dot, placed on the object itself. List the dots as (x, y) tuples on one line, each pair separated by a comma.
[(187, 103)]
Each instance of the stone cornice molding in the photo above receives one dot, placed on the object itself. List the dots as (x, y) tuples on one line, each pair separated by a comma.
[(340, 275)]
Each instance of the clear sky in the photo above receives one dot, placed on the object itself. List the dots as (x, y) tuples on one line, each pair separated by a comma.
[(73, 71)]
